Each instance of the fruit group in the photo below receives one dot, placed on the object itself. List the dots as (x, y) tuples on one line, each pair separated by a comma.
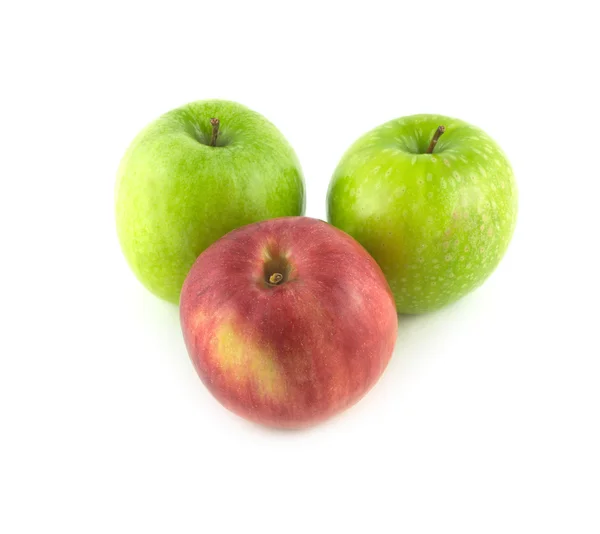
[(288, 321), (437, 223), (193, 175)]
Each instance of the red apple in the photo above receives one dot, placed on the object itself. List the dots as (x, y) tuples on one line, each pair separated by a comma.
[(288, 321)]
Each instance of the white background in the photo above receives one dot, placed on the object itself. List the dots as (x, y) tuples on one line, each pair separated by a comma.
[(487, 419)]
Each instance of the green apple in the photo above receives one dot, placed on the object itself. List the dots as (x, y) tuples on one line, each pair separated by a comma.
[(433, 199), (193, 175)]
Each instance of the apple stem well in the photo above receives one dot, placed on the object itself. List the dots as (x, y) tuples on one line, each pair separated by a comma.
[(276, 270), (215, 131), (438, 133)]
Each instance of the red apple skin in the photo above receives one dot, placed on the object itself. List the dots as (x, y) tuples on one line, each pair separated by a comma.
[(294, 354)]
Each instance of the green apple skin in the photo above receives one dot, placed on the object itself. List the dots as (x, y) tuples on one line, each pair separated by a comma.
[(176, 195), (438, 224)]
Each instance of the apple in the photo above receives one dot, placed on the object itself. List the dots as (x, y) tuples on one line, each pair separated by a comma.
[(193, 175), (433, 199), (288, 321)]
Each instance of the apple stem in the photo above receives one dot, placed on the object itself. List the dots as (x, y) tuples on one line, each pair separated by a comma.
[(215, 131), (275, 278), (440, 130)]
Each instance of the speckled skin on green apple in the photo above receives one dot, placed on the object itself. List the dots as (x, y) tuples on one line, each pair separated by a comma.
[(438, 224), (175, 194)]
